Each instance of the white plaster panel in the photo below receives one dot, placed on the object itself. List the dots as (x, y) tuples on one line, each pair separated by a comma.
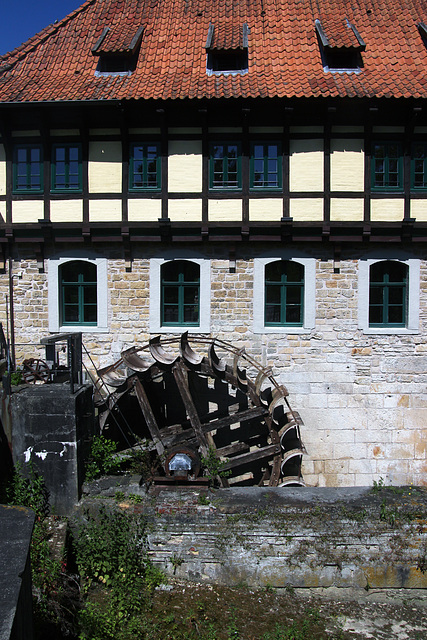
[(306, 209), (180, 210), (347, 165), (105, 210), (387, 210), (2, 170), (265, 209), (105, 167), (185, 166), (347, 209), (143, 209), (66, 210), (223, 210), (27, 211), (419, 210), (306, 165)]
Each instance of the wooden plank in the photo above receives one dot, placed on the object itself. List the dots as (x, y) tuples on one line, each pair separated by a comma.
[(237, 447), (245, 458), (241, 416), (181, 379), (149, 416)]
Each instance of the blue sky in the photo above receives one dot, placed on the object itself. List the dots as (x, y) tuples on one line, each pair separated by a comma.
[(23, 18)]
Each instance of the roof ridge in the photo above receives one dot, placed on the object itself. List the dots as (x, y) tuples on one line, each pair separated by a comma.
[(41, 36)]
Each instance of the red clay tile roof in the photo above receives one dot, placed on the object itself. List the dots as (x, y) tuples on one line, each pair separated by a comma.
[(227, 35), (339, 33), (284, 57)]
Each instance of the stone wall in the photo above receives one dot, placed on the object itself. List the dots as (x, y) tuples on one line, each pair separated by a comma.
[(283, 537), (362, 397)]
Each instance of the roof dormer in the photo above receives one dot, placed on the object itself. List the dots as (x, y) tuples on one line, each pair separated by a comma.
[(227, 49), (117, 50), (340, 45)]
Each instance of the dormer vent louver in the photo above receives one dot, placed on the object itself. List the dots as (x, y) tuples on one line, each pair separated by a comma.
[(340, 45), (227, 49), (118, 51)]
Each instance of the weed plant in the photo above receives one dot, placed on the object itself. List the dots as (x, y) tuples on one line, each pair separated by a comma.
[(102, 459)]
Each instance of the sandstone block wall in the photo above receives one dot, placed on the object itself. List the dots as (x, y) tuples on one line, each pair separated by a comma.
[(362, 397)]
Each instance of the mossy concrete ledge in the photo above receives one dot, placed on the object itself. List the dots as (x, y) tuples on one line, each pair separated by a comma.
[(288, 537)]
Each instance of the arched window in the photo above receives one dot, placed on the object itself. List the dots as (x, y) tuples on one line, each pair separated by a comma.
[(284, 293), (180, 293), (388, 292), (78, 293)]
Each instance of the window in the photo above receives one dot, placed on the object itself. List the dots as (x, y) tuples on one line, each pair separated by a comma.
[(180, 293), (116, 64), (118, 50), (145, 167), (419, 166), (386, 166), (225, 166), (265, 166), (28, 169), (77, 293), (66, 168), (284, 294), (387, 294)]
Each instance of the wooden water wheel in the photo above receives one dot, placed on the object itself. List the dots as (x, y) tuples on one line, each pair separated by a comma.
[(193, 408)]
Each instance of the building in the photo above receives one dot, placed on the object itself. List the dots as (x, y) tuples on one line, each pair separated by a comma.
[(255, 171)]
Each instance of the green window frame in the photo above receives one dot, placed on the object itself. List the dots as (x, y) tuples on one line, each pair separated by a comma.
[(145, 167), (265, 166), (78, 293), (225, 166), (28, 168), (419, 166), (66, 170), (180, 294), (387, 166), (388, 292), (284, 294)]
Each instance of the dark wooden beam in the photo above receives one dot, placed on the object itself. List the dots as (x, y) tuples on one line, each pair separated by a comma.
[(149, 416), (245, 458)]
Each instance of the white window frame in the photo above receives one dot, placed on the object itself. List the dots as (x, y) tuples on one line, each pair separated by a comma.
[(155, 294), (413, 306), (309, 315), (54, 265)]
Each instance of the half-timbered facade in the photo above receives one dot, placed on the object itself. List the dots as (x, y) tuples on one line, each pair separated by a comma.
[(250, 170)]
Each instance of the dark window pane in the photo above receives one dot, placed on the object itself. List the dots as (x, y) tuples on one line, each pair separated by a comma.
[(272, 294)]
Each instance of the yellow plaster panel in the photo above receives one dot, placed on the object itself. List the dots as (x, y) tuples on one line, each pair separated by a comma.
[(306, 129), (388, 129), (387, 210), (64, 132), (185, 166), (419, 210), (2, 212), (180, 130), (265, 209), (27, 211), (141, 210), (306, 165), (105, 167), (66, 210), (347, 165), (224, 210), (347, 209), (185, 210), (2, 170), (19, 134), (104, 132), (148, 130), (105, 210), (306, 209), (265, 129), (225, 129), (340, 129)]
